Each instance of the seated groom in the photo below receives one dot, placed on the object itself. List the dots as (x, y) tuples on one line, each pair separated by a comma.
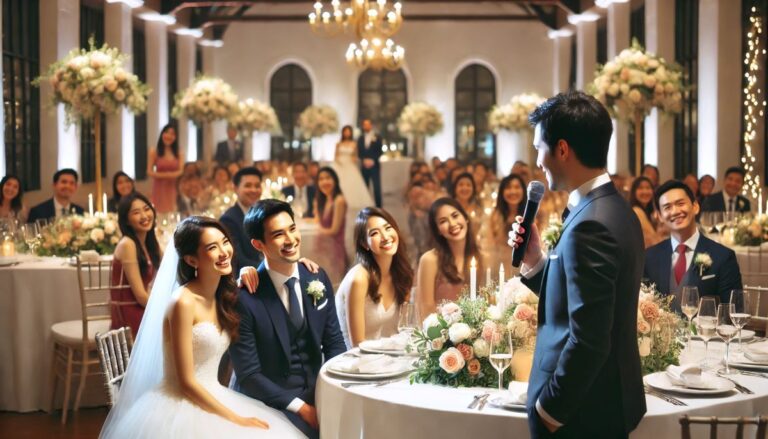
[(671, 264), (287, 327), (64, 188), (247, 183)]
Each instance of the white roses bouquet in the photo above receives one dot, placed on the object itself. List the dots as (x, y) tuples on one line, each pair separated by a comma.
[(751, 231), (69, 235), (419, 119), (206, 100), (657, 326), (318, 120), (513, 116), (253, 115)]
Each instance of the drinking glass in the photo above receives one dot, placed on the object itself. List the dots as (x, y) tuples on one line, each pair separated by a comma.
[(706, 323), (718, 218), (29, 233), (741, 312), (726, 330), (707, 222), (689, 303), (406, 322), (501, 353)]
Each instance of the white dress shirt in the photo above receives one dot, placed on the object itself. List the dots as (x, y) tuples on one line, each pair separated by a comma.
[(299, 199), (727, 199), (58, 208), (690, 243), (369, 138)]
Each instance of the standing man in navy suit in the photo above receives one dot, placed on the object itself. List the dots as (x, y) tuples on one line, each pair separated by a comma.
[(369, 149), (64, 188), (247, 183), (230, 150), (287, 328), (671, 264), (586, 380)]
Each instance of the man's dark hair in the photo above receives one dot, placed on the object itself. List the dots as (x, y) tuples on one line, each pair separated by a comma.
[(301, 164), (64, 171), (259, 213), (580, 120), (668, 186), (736, 170), (250, 170), (650, 166)]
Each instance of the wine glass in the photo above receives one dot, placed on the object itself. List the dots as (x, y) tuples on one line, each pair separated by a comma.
[(501, 353), (29, 233), (406, 322), (726, 330), (689, 304), (741, 312), (706, 323), (718, 218)]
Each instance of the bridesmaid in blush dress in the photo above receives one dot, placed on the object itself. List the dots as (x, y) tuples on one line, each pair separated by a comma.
[(331, 208), (165, 165)]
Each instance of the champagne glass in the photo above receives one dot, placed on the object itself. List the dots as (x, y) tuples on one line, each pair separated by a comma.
[(707, 222), (719, 219), (29, 233), (706, 323), (689, 303), (740, 315), (501, 353), (406, 322), (726, 330)]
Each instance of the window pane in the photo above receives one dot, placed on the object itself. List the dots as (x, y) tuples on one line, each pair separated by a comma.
[(382, 95), (290, 94), (475, 95)]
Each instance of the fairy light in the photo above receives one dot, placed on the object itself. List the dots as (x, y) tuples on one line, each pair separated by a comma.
[(753, 105)]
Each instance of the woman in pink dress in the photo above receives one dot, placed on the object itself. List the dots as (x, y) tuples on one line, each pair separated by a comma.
[(136, 259), (165, 165), (331, 208)]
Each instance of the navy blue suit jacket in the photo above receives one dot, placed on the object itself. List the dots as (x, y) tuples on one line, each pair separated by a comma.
[(47, 209), (372, 152), (245, 254), (261, 353), (223, 155), (586, 372), (716, 203), (718, 280), (289, 191)]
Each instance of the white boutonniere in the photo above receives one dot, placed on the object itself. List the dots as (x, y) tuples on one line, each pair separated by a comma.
[(316, 289), (703, 261), (551, 235), (741, 204)]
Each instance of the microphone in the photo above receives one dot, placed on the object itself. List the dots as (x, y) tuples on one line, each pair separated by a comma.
[(535, 194)]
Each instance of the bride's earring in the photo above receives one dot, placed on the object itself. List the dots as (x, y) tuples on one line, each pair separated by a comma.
[(195, 272)]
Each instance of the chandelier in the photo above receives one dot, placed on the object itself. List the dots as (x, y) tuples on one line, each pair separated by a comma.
[(376, 54)]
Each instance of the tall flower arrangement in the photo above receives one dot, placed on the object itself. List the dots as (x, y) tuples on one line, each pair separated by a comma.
[(513, 116), (206, 100), (253, 115), (317, 121), (419, 120)]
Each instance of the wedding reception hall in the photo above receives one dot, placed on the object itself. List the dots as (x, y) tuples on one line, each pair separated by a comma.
[(384, 218)]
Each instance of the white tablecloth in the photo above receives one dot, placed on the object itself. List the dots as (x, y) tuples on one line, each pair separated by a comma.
[(34, 296)]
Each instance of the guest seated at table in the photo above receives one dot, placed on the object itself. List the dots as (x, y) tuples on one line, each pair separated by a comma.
[(233, 168), (313, 168), (221, 181), (706, 187), (441, 174), (482, 176), (136, 259), (641, 200), (64, 188), (11, 199), (672, 263), (247, 183), (464, 191), (331, 210), (190, 199), (729, 200), (369, 298), (302, 192), (444, 270), (692, 182), (509, 204), (122, 186), (652, 173)]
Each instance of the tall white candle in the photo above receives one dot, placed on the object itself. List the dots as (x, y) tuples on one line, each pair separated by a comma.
[(501, 275), (90, 204), (500, 297), (104, 203), (473, 279), (760, 202), (488, 277)]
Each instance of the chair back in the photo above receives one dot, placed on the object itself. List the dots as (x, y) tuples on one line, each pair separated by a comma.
[(759, 311), (754, 267), (114, 351), (713, 422), (95, 283)]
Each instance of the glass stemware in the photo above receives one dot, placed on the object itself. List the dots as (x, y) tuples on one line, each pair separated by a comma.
[(726, 330), (718, 218), (706, 322), (29, 233), (741, 312), (689, 304), (707, 222), (407, 322), (501, 353)]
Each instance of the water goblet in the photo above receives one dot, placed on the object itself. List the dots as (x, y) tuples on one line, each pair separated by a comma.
[(726, 330), (741, 312), (689, 304), (501, 353), (706, 322)]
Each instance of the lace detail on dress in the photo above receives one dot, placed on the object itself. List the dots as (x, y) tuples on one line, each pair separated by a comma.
[(208, 345)]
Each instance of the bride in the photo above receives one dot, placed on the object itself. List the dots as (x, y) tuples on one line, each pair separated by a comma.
[(171, 388), (347, 166)]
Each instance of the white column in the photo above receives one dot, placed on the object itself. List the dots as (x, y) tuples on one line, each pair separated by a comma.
[(562, 42), (59, 144), (660, 128), (156, 39), (216, 129), (118, 32), (586, 52), (618, 40), (719, 86), (185, 74)]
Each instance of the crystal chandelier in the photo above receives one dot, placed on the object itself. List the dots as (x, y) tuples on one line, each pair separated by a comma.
[(376, 54)]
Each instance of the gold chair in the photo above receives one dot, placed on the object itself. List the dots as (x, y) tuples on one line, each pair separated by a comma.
[(114, 352), (713, 422)]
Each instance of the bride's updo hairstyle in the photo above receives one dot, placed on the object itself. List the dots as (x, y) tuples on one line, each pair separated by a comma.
[(186, 240)]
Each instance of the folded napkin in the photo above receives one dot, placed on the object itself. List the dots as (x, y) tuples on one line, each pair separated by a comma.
[(689, 376), (394, 343), (757, 352), (367, 364), (518, 392), (89, 256)]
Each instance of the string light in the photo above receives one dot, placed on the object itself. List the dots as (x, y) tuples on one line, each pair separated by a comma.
[(753, 105)]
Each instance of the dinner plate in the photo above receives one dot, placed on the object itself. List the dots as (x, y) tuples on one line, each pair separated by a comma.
[(373, 347), (741, 361), (504, 403), (746, 334), (370, 376), (7, 261), (661, 381)]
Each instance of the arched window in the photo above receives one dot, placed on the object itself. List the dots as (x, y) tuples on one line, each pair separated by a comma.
[(381, 97), (475, 95), (290, 92)]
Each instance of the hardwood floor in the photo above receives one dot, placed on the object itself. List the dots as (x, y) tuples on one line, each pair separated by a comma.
[(85, 424)]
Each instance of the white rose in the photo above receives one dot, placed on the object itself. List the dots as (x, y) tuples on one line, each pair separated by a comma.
[(652, 63), (459, 332), (109, 227), (645, 346), (481, 348), (624, 88), (77, 62), (120, 74), (494, 313), (87, 73), (649, 81), (437, 344), (97, 235), (100, 59), (613, 89), (89, 222), (635, 96), (119, 95), (430, 322)]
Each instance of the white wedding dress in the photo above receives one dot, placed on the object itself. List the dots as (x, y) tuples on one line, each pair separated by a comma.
[(166, 413), (351, 180)]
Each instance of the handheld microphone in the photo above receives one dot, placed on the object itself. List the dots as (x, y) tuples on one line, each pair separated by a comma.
[(535, 194)]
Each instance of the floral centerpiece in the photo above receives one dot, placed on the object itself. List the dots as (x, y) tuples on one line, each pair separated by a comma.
[(751, 231), (513, 116), (657, 327), (253, 115), (454, 343), (318, 120), (206, 100), (69, 235), (419, 120)]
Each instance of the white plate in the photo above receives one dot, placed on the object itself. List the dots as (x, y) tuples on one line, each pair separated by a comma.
[(740, 360), (370, 376), (746, 334), (505, 404), (102, 258), (371, 347), (7, 261), (660, 380)]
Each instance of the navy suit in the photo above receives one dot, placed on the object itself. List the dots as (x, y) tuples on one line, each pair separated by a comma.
[(586, 372), (718, 280), (264, 356), (245, 254), (47, 210), (224, 156), (373, 152), (290, 191), (716, 203)]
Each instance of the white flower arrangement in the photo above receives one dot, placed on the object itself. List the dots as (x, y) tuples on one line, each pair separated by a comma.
[(420, 119), (748, 231), (318, 120), (253, 115), (513, 116), (637, 81), (93, 81), (316, 289), (206, 100), (703, 261)]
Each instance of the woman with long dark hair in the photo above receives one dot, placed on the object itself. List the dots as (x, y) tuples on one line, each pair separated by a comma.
[(11, 199), (135, 261), (369, 298), (444, 270), (165, 165), (465, 192), (331, 211), (122, 186), (641, 200), (510, 203)]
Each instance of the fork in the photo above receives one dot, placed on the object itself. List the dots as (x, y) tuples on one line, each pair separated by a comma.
[(664, 397), (753, 373), (739, 387)]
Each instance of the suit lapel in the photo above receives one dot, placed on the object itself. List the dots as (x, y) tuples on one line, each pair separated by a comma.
[(600, 191), (305, 277), (275, 309)]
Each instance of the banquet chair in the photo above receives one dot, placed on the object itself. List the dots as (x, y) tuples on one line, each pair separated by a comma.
[(74, 341), (755, 269), (759, 318), (114, 352), (713, 422)]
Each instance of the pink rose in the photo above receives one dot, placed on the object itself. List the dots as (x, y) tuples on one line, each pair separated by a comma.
[(473, 367), (523, 312), (451, 360), (490, 333), (466, 351), (649, 310)]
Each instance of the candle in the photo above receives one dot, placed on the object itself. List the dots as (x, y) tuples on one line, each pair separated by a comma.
[(473, 279), (8, 248), (501, 275), (488, 276), (500, 297), (104, 204), (90, 204), (760, 202)]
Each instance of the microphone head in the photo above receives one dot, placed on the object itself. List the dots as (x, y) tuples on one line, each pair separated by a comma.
[(535, 191)]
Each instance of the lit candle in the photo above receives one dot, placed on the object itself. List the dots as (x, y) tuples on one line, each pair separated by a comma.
[(90, 204), (501, 275), (8, 248), (500, 296), (104, 203), (488, 277), (760, 202), (473, 279)]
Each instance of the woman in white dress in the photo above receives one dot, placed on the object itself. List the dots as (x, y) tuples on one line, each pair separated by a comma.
[(369, 298), (347, 165), (171, 388)]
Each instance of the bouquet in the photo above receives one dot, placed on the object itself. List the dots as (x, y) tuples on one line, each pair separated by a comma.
[(751, 231), (514, 115), (636, 81), (318, 120), (419, 119), (657, 326), (69, 235), (206, 100), (252, 115), (94, 80)]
